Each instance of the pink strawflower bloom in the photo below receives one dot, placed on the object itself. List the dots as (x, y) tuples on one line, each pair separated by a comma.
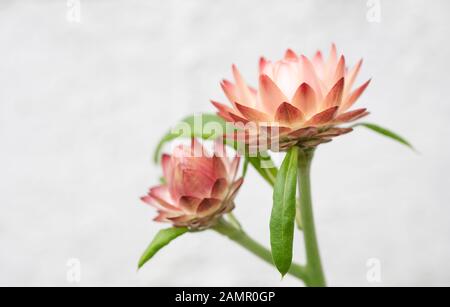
[(199, 188), (305, 99)]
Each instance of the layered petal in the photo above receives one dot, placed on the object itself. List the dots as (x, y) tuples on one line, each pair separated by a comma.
[(230, 90), (340, 69), (334, 97), (166, 162), (245, 95), (208, 206), (351, 76), (351, 116), (310, 76), (323, 117), (189, 204), (196, 184), (305, 99), (288, 115), (198, 190), (235, 188), (290, 55), (220, 189), (271, 95), (223, 109), (295, 93), (354, 96), (162, 196), (252, 114)]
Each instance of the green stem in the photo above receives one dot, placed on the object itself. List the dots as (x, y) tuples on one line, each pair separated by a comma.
[(314, 269), (240, 237)]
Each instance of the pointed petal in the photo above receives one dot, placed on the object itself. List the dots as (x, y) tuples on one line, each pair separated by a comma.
[(221, 107), (219, 189), (318, 58), (230, 90), (287, 114), (323, 117), (334, 97), (290, 55), (234, 167), (262, 65), (271, 95), (175, 183), (162, 196), (225, 116), (334, 132), (332, 61), (303, 133), (351, 76), (224, 111), (311, 76), (252, 114), (340, 69), (238, 119), (234, 189), (354, 96), (166, 166), (181, 220), (161, 217), (305, 99), (351, 116), (319, 64), (266, 67), (245, 95)]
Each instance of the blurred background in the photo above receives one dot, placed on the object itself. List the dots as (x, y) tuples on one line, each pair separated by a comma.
[(87, 88)]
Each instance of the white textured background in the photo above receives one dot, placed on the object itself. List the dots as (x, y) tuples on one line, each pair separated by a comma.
[(82, 107)]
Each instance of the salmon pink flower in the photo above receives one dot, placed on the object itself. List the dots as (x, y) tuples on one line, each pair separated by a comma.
[(306, 100), (199, 188)]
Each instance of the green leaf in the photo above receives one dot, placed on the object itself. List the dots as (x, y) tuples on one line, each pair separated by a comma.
[(264, 165), (386, 133), (163, 238), (210, 127), (282, 221), (245, 168)]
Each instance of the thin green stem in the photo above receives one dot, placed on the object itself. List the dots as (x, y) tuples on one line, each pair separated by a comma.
[(233, 220), (240, 237), (314, 269)]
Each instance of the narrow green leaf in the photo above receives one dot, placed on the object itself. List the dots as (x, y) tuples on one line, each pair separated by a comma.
[(386, 133), (264, 165), (245, 168), (163, 238), (211, 126), (282, 221)]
